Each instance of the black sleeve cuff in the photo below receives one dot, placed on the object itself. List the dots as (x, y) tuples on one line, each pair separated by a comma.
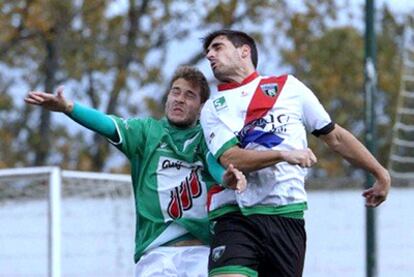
[(325, 130)]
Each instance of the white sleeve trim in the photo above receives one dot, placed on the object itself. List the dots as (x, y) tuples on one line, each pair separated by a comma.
[(118, 133)]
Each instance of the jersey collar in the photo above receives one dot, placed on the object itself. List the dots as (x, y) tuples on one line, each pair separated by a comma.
[(248, 79)]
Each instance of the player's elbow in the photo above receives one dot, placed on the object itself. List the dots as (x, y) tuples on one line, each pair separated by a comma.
[(231, 156), (226, 160)]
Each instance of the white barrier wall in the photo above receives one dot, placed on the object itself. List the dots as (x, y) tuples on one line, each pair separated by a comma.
[(336, 234)]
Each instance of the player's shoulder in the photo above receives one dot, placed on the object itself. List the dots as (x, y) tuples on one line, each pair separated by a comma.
[(288, 83), (209, 104), (137, 119), (206, 111), (285, 76), (276, 76), (138, 122), (294, 83)]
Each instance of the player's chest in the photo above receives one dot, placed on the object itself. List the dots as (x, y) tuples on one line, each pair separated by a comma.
[(245, 112)]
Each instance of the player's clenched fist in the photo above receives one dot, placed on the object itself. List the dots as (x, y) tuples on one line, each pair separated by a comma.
[(302, 157)]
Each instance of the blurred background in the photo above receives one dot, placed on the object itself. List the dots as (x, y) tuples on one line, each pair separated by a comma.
[(118, 56)]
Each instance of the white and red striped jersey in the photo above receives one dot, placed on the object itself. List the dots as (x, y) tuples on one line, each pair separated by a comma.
[(263, 113)]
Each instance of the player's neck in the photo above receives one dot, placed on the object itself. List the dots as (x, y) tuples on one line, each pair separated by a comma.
[(238, 77)]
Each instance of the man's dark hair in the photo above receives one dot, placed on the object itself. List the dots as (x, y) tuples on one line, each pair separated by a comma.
[(195, 77), (237, 38)]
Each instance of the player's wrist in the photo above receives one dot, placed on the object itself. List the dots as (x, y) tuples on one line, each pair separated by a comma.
[(225, 182), (383, 176), (282, 155), (68, 107)]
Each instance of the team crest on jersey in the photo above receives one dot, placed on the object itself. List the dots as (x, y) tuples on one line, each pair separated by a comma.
[(182, 196), (217, 252), (270, 90), (220, 103)]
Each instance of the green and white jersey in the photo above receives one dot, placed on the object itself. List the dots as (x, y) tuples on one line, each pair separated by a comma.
[(263, 113), (170, 180)]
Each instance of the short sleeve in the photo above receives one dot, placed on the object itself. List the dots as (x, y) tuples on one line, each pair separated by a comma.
[(315, 118), (131, 134)]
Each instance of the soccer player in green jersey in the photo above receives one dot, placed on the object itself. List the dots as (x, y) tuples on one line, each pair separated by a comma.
[(171, 171)]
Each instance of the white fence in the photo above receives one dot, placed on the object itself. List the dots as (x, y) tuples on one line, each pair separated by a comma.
[(65, 223), (95, 222)]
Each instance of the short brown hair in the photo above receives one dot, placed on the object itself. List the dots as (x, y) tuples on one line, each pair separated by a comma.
[(195, 77), (237, 38)]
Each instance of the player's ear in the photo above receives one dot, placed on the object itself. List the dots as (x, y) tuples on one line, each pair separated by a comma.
[(245, 51)]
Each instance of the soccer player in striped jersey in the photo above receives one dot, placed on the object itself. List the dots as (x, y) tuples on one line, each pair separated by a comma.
[(261, 230)]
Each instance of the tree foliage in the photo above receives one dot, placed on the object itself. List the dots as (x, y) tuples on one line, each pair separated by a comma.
[(113, 57), (330, 61)]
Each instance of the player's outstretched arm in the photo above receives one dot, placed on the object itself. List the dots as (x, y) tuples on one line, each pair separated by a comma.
[(53, 102), (351, 149), (251, 160), (87, 117)]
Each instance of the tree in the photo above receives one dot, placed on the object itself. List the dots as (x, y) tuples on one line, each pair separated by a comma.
[(107, 59), (115, 58), (330, 61)]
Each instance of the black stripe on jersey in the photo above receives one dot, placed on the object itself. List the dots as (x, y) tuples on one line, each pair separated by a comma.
[(325, 130)]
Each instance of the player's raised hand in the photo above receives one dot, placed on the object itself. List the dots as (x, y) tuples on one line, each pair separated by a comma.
[(302, 157), (53, 102), (234, 179)]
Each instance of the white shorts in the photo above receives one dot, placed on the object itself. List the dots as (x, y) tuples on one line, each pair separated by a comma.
[(178, 261)]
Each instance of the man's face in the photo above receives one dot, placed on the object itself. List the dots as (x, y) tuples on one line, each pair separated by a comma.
[(224, 57), (183, 103)]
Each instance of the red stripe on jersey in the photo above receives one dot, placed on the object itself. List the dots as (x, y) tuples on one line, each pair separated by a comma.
[(213, 190), (262, 103)]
